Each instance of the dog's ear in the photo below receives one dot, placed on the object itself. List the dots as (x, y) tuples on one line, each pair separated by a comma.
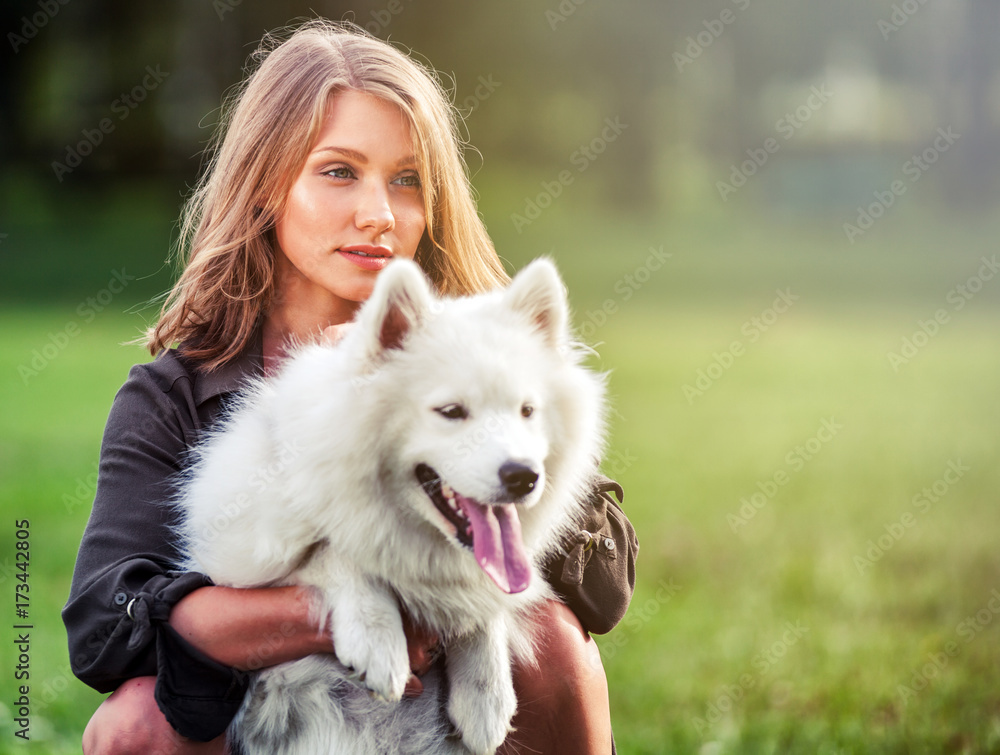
[(538, 292), (398, 305)]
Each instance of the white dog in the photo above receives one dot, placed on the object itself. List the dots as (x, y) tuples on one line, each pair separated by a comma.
[(430, 460)]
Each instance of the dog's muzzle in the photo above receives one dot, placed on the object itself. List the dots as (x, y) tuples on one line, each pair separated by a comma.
[(492, 531)]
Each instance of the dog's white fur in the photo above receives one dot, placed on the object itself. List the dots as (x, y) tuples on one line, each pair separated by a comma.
[(312, 481)]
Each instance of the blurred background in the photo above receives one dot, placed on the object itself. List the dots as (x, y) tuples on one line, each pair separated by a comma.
[(778, 225)]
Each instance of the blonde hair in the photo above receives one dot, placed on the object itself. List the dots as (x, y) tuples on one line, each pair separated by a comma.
[(227, 239)]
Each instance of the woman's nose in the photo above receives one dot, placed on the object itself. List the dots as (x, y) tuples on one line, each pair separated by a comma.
[(375, 211)]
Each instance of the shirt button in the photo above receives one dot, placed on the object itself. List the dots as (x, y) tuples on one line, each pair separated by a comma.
[(120, 599), (609, 543)]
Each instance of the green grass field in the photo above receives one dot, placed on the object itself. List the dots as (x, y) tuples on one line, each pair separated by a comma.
[(798, 591)]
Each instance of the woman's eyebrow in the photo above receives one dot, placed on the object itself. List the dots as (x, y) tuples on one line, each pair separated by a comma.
[(345, 151), (360, 157)]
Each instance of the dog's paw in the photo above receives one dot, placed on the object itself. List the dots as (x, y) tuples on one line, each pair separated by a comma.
[(482, 717), (377, 659)]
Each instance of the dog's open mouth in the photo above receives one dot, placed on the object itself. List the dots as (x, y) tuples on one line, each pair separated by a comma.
[(493, 532)]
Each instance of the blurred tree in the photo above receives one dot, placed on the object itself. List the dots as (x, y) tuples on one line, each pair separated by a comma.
[(974, 73), (556, 69)]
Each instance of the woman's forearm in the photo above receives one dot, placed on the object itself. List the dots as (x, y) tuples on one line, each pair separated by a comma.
[(250, 629)]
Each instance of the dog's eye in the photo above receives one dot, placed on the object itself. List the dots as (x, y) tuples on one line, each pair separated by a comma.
[(527, 410), (452, 411)]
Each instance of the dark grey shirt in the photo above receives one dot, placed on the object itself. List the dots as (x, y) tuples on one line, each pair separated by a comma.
[(124, 584)]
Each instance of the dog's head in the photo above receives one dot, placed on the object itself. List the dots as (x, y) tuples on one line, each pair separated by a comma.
[(500, 428)]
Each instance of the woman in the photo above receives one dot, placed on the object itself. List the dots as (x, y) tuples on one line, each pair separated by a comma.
[(338, 154)]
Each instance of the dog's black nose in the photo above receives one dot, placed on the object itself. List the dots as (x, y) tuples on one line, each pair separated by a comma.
[(518, 479)]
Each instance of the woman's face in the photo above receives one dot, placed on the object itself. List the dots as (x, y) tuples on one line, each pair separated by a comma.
[(356, 204)]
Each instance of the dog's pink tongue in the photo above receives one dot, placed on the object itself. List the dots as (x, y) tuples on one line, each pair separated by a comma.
[(496, 541)]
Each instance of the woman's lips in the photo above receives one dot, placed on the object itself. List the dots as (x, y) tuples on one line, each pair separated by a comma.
[(367, 256)]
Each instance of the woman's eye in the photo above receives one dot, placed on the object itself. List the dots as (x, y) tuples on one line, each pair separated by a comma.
[(340, 171), (452, 411), (410, 180)]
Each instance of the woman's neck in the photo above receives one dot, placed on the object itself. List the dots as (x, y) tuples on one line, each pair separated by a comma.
[(298, 314), (287, 326)]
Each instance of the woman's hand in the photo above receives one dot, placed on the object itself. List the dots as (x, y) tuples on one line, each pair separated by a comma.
[(423, 647)]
